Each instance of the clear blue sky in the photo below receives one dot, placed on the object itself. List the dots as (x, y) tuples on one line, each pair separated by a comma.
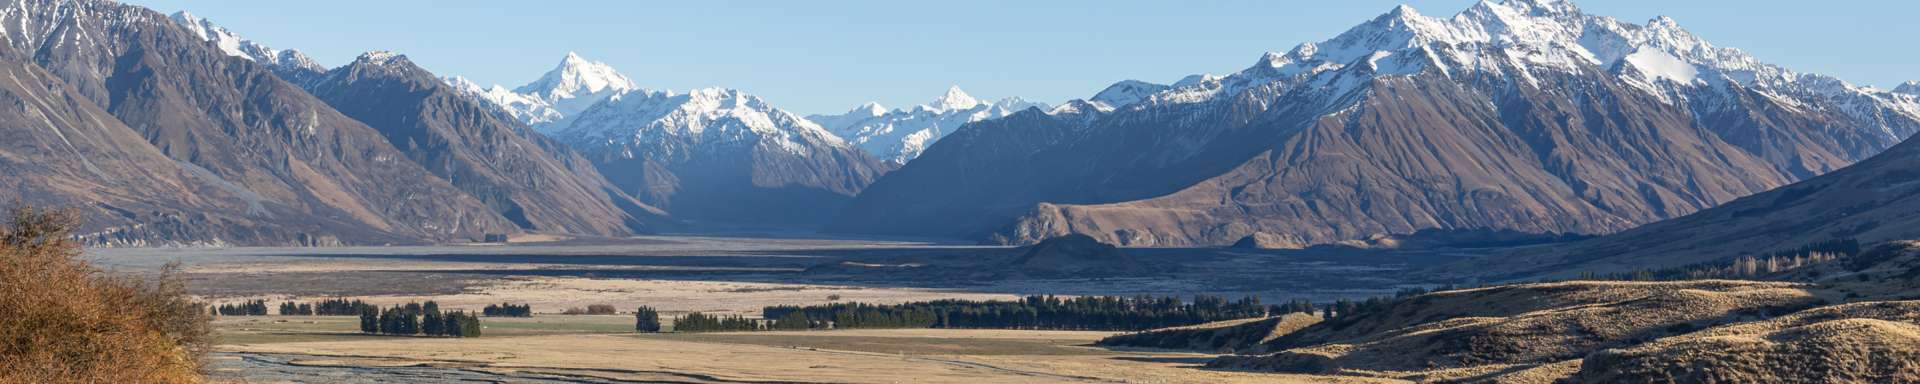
[(828, 56)]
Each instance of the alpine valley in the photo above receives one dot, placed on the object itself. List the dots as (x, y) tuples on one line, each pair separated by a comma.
[(1517, 192), (1524, 116)]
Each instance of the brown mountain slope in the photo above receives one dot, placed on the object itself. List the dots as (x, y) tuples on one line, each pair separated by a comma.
[(1875, 200), (1426, 152), (526, 177), (64, 151), (315, 175)]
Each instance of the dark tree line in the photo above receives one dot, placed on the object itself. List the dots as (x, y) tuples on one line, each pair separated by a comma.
[(1101, 313), (646, 319), (419, 319), (250, 308), (292, 309), (1292, 306), (508, 310), (699, 322), (340, 307), (593, 309)]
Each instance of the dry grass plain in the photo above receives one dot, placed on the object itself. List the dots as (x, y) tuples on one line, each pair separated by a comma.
[(598, 348)]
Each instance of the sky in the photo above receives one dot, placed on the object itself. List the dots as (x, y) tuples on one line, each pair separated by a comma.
[(830, 56)]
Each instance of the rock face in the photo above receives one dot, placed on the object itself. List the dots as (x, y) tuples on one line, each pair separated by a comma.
[(1525, 115), (533, 181), (1077, 256), (232, 154)]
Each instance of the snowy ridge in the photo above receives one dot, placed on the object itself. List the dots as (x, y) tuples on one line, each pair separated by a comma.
[(1520, 39), (234, 45), (902, 134), (670, 125), (1127, 93), (1911, 88)]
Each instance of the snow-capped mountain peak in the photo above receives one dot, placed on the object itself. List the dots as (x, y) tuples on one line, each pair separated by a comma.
[(572, 87), (1911, 88), (954, 99), (1126, 92), (381, 58), (871, 109), (576, 76)]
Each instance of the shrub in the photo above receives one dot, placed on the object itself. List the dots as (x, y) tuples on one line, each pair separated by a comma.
[(61, 320)]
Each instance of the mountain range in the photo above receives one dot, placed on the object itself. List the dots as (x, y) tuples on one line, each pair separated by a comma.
[(1526, 115)]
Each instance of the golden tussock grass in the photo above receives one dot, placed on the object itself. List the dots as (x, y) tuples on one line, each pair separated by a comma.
[(62, 321)]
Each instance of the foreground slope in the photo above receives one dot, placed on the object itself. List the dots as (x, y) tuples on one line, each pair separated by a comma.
[(276, 165), (532, 180), (1522, 115)]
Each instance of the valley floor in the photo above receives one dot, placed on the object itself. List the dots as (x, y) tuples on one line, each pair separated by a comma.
[(733, 275)]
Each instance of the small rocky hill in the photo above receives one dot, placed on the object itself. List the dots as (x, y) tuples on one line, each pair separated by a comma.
[(1076, 256)]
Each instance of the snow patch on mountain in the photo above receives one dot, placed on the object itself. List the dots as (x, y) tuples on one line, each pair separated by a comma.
[(902, 134), (1660, 64), (234, 45)]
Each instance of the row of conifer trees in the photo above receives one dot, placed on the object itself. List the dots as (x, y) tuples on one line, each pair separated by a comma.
[(419, 319), (1103, 313)]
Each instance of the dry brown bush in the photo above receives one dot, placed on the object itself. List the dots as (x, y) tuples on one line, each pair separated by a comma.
[(62, 321)]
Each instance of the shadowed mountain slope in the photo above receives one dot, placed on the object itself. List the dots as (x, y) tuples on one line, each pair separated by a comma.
[(258, 160)]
